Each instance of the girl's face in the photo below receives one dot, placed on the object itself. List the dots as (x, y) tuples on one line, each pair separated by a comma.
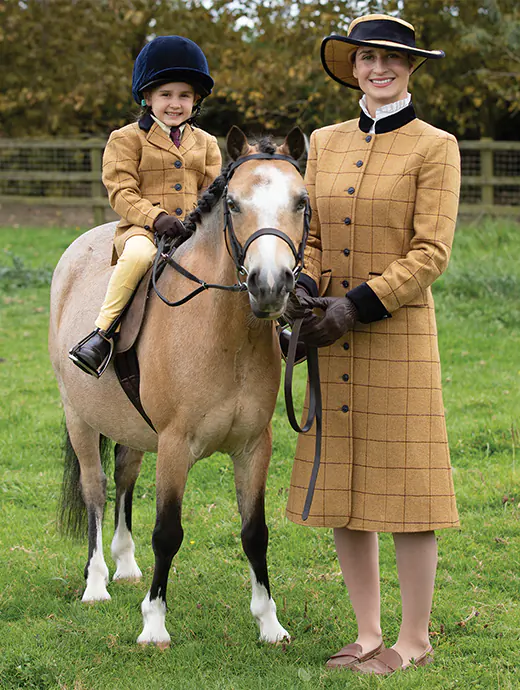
[(172, 103), (382, 75)]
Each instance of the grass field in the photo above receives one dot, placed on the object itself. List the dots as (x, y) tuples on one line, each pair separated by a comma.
[(48, 639)]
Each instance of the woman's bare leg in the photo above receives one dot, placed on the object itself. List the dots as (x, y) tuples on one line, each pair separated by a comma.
[(416, 555), (358, 555)]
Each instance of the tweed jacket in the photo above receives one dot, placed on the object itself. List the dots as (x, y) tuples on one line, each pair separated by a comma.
[(146, 174), (384, 211)]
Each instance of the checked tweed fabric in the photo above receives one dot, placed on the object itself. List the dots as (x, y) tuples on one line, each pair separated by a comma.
[(384, 211), (146, 174)]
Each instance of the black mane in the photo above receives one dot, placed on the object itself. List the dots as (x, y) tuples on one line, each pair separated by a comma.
[(213, 194)]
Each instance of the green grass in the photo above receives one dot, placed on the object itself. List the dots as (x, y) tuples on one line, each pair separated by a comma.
[(48, 639)]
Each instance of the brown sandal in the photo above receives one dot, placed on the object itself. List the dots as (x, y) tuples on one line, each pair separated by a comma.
[(390, 661), (351, 655)]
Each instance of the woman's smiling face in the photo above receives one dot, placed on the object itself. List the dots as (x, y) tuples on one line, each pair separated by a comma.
[(382, 75)]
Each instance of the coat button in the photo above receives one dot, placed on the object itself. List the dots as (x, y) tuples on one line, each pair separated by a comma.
[(359, 164), (146, 227), (347, 221), (346, 251), (368, 139), (346, 346), (345, 377), (178, 164), (344, 408), (344, 283), (178, 187), (178, 211), (351, 190)]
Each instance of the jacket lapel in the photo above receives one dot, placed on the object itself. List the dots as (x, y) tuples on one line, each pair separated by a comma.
[(158, 137), (188, 139)]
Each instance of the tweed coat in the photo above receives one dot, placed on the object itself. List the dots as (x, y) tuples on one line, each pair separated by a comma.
[(384, 211), (146, 174)]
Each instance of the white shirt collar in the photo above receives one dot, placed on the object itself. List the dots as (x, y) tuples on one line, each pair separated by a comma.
[(384, 110), (164, 127)]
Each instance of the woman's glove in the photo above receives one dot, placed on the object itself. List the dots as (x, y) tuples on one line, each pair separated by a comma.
[(340, 317), (295, 308), (170, 226)]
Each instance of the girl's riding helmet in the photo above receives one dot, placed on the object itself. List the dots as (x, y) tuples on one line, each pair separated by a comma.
[(171, 58)]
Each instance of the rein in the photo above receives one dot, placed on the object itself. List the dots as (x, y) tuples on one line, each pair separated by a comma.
[(238, 253)]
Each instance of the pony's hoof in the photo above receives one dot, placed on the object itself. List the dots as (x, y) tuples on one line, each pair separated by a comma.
[(91, 596), (130, 573), (160, 645), (275, 636)]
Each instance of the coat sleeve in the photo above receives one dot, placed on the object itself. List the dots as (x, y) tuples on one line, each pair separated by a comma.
[(121, 178), (213, 164), (310, 277), (435, 215)]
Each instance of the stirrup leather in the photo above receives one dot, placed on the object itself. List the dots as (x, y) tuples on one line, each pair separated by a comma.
[(75, 356)]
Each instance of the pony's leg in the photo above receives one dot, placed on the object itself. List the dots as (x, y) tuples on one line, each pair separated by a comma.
[(85, 442), (250, 480), (127, 466), (171, 475)]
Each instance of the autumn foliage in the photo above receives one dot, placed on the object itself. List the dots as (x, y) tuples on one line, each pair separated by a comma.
[(66, 64)]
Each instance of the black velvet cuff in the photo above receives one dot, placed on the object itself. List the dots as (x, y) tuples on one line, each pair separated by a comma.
[(308, 283), (369, 306)]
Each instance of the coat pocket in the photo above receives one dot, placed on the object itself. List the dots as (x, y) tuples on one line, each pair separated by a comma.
[(324, 282)]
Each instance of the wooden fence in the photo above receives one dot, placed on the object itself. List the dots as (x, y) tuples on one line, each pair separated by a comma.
[(67, 172)]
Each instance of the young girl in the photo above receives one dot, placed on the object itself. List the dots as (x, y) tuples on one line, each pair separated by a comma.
[(384, 191), (154, 170)]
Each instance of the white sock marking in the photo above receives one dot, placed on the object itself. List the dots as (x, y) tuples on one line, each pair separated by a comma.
[(97, 574), (263, 609), (154, 616), (123, 549)]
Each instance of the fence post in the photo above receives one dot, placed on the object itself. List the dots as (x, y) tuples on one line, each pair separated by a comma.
[(97, 191), (486, 172)]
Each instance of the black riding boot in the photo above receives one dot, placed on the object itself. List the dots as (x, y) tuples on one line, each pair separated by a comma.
[(93, 353)]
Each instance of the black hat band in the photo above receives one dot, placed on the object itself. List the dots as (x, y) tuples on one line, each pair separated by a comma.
[(383, 30)]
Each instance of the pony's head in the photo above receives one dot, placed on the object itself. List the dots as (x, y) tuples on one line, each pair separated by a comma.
[(266, 210)]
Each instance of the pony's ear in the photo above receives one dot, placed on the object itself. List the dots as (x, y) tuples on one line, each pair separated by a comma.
[(236, 143), (294, 144)]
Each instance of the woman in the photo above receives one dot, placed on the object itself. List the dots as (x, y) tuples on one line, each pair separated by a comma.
[(384, 191)]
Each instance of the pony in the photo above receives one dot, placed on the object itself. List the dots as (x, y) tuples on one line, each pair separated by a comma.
[(210, 372)]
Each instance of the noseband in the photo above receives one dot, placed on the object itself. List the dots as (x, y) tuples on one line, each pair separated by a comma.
[(235, 249)]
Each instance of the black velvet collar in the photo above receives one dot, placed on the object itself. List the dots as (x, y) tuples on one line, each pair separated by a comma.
[(388, 124), (146, 122)]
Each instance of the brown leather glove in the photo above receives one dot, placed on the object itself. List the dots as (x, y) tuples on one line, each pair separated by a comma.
[(340, 316), (295, 309), (170, 226)]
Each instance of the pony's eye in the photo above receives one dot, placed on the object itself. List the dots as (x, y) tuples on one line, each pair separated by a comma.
[(301, 204), (233, 207)]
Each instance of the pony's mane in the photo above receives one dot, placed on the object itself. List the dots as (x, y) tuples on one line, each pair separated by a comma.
[(213, 194)]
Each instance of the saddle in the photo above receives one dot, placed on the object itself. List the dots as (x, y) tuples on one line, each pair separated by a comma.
[(126, 363)]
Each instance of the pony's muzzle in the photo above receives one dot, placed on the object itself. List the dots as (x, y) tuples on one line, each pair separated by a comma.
[(269, 292)]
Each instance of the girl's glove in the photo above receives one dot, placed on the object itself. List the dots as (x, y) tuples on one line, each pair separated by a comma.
[(340, 316), (170, 226)]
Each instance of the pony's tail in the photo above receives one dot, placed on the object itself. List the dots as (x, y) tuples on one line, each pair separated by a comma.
[(72, 517)]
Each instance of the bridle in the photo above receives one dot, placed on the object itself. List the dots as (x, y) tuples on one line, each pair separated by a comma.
[(236, 251)]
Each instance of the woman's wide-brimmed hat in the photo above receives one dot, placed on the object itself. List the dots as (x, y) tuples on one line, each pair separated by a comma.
[(373, 30)]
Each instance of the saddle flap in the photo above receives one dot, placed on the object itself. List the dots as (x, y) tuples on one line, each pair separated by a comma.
[(133, 316)]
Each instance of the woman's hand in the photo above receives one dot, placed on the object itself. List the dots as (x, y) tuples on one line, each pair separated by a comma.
[(296, 308), (340, 316)]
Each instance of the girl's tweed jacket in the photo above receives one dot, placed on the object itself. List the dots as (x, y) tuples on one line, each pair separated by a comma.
[(384, 210), (146, 174)]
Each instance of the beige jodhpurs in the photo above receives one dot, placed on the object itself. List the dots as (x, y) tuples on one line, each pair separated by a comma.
[(137, 257)]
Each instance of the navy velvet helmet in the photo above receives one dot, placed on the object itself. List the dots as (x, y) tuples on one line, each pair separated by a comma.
[(171, 58)]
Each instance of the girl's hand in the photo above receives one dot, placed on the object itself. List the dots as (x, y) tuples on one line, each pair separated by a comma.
[(170, 226)]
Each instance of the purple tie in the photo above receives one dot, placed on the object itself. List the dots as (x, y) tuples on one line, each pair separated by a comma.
[(175, 135)]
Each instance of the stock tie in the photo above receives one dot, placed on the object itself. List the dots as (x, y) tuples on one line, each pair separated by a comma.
[(175, 135)]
